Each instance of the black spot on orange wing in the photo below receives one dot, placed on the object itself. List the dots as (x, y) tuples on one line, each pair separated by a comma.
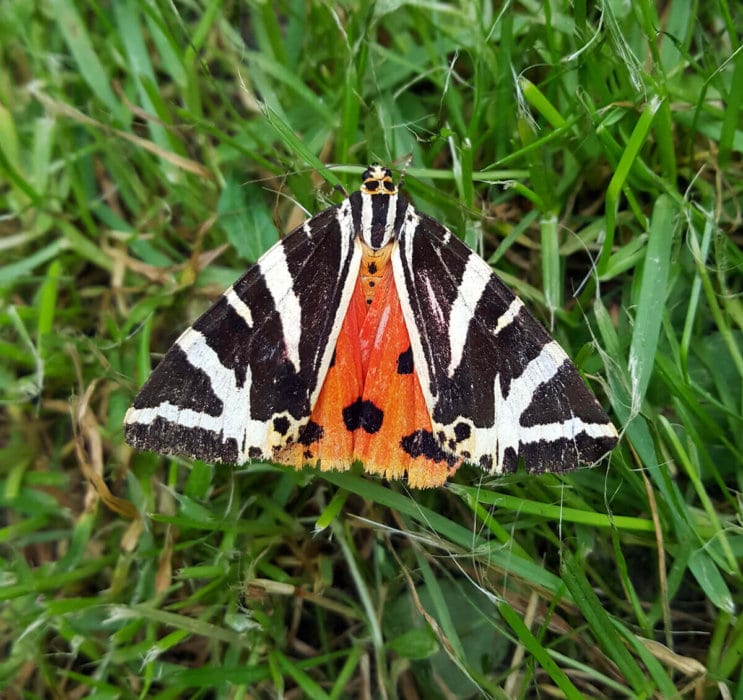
[(352, 415), (405, 362), (312, 432), (363, 414), (423, 443), (372, 417)]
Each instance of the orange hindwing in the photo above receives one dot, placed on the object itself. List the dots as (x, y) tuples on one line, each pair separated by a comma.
[(371, 407)]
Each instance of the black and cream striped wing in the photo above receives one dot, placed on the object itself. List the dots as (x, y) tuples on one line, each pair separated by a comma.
[(497, 386), (241, 382)]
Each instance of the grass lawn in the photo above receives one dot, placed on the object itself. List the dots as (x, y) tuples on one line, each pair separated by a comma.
[(591, 152)]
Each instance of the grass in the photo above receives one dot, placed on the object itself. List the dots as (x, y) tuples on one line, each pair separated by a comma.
[(150, 151)]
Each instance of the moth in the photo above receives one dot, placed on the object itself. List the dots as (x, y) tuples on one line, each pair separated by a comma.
[(371, 333)]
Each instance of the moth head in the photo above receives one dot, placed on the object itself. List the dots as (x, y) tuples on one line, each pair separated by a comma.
[(378, 180)]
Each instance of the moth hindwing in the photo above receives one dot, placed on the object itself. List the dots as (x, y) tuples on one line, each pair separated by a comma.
[(371, 333)]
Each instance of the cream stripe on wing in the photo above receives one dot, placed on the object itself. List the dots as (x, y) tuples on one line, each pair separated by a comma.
[(278, 279), (239, 306), (508, 316), (471, 287)]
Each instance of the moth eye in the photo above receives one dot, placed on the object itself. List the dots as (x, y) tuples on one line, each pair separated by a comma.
[(389, 185), (372, 185)]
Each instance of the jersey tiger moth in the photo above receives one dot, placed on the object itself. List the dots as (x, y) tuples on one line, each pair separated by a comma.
[(371, 333)]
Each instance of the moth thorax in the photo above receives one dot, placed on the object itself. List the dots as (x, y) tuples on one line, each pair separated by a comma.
[(374, 269), (378, 214)]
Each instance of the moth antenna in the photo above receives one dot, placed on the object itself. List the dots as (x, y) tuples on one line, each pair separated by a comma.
[(406, 161)]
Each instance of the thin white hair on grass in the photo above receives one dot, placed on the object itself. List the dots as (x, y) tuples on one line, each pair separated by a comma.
[(561, 486), (592, 270), (698, 253), (478, 553), (586, 45), (247, 94), (524, 111), (435, 543), (440, 543), (493, 597), (513, 687), (388, 529), (418, 77), (608, 499), (449, 72), (340, 26), (631, 62), (505, 9)]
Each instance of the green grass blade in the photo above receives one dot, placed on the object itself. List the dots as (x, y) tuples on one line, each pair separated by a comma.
[(634, 144), (602, 626), (88, 63), (651, 297), (540, 654)]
